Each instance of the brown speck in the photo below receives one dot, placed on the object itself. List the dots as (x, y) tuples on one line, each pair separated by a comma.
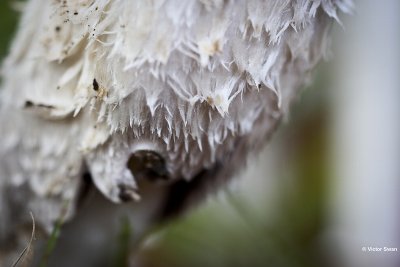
[(45, 106), (28, 104), (95, 85), (216, 46), (75, 13), (58, 28), (209, 100)]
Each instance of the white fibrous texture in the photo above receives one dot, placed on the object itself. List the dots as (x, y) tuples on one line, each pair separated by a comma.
[(88, 82)]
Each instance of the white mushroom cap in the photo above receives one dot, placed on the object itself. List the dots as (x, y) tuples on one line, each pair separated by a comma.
[(87, 82)]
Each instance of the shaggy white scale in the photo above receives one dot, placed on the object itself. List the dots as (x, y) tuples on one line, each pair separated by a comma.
[(195, 84)]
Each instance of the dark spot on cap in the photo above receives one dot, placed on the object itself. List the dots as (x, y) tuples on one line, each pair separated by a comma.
[(148, 164), (58, 28), (28, 104), (95, 85), (75, 13)]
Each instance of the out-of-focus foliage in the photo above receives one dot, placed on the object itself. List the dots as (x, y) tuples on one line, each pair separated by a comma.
[(8, 22)]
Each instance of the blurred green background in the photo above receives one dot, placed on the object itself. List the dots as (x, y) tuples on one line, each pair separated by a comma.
[(8, 23)]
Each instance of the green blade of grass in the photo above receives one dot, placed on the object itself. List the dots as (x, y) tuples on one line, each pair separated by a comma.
[(55, 234)]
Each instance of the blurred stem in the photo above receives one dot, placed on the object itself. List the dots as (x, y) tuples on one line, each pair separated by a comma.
[(124, 238)]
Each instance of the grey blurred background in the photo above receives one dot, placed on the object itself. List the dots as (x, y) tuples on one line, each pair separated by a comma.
[(327, 185)]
